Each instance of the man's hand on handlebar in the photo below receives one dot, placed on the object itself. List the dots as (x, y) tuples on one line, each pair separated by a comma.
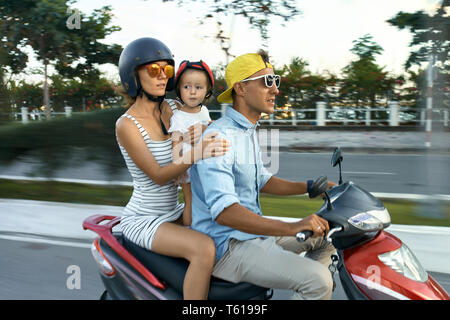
[(314, 223)]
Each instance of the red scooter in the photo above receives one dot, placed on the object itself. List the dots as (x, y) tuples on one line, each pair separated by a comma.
[(372, 263)]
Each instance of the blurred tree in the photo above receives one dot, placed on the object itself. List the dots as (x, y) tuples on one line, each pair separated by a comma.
[(71, 92), (258, 13), (431, 35), (363, 79), (26, 94), (291, 79), (44, 26), (431, 39), (11, 61), (300, 87), (365, 48)]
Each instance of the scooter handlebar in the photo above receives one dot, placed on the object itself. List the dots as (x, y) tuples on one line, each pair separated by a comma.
[(304, 235)]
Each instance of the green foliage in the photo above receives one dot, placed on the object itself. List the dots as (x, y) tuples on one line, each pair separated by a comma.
[(431, 35), (42, 25), (258, 13), (431, 39), (365, 48), (26, 95), (363, 79), (292, 76), (83, 137), (71, 92)]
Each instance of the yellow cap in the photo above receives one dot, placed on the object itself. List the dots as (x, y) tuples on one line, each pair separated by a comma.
[(239, 69)]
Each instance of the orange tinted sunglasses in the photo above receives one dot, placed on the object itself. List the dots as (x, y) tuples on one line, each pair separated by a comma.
[(154, 70)]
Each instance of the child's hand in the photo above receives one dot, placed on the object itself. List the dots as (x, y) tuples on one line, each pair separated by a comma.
[(182, 179)]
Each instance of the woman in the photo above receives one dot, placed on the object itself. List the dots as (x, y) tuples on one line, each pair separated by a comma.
[(152, 218)]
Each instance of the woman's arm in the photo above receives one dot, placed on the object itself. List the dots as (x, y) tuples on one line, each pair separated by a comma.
[(130, 138), (166, 114), (177, 153)]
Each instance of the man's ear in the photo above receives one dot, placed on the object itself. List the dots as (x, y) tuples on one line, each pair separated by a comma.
[(239, 88)]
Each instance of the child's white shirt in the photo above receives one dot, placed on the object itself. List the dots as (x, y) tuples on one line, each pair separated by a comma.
[(182, 120)]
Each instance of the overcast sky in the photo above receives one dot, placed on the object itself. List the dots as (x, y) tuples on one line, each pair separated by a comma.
[(322, 34)]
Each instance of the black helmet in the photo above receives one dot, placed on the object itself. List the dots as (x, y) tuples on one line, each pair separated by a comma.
[(139, 52)]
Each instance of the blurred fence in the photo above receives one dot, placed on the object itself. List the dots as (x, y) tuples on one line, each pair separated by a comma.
[(322, 115)]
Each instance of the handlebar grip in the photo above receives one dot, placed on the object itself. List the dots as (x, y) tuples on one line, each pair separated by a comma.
[(303, 236)]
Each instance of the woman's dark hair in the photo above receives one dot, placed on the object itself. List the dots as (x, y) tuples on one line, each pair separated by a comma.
[(129, 100)]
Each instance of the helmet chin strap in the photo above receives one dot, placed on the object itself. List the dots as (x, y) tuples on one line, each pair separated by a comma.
[(151, 97), (158, 99)]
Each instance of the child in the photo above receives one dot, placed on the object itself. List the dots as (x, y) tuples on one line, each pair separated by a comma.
[(194, 83)]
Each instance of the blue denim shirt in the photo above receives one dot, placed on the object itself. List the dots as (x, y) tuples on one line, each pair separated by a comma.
[(235, 177)]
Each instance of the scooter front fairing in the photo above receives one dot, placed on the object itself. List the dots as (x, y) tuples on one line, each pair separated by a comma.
[(385, 269)]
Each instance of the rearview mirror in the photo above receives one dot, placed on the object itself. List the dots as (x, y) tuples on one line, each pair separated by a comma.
[(337, 157)]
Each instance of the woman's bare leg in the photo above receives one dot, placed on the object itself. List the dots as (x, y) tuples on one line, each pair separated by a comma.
[(178, 241), (187, 194)]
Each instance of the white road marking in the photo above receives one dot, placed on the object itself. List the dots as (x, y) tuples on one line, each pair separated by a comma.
[(48, 241), (356, 172)]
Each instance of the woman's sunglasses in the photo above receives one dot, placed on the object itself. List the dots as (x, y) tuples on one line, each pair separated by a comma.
[(269, 79), (154, 70)]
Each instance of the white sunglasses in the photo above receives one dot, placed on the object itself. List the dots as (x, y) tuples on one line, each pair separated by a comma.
[(269, 79)]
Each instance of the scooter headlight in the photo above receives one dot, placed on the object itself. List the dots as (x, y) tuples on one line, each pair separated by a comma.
[(365, 221), (382, 215), (404, 262)]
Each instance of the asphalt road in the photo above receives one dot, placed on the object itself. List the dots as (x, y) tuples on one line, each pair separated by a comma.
[(393, 173), (35, 271)]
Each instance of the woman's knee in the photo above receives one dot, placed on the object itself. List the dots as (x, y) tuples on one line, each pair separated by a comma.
[(204, 250), (208, 250)]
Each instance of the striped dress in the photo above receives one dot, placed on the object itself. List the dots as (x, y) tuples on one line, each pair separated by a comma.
[(150, 204)]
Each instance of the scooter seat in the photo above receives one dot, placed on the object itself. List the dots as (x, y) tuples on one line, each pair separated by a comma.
[(172, 271)]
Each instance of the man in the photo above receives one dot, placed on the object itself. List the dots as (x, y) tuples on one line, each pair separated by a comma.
[(225, 197)]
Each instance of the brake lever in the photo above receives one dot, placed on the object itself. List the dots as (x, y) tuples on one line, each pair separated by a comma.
[(331, 232)]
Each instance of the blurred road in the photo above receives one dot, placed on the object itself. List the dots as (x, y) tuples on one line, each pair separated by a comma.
[(38, 271), (397, 173), (41, 240)]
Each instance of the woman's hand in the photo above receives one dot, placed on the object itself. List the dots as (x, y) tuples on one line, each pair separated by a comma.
[(194, 133), (182, 179), (211, 146)]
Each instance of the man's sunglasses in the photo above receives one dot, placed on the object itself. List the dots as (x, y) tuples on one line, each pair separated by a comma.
[(269, 79), (154, 70)]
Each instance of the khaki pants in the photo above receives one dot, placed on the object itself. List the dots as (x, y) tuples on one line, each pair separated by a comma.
[(274, 262)]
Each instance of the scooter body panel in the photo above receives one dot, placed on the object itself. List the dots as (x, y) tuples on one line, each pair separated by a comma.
[(377, 281)]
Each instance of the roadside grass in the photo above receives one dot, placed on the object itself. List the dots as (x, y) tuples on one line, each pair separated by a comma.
[(401, 211)]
